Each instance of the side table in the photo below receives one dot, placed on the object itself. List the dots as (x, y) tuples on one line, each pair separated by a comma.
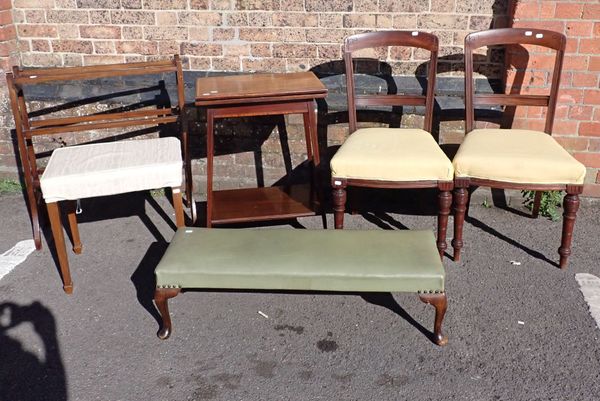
[(259, 95)]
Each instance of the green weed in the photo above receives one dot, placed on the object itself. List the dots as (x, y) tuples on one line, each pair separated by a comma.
[(9, 186), (551, 202)]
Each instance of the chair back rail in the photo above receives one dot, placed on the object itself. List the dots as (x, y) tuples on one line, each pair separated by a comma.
[(513, 36), (369, 40)]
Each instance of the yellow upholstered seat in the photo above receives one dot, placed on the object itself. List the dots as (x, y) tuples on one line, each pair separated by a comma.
[(391, 154), (517, 156)]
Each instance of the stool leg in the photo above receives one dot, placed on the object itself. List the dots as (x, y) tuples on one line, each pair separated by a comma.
[(72, 217), (59, 242), (161, 296), (178, 205), (440, 303)]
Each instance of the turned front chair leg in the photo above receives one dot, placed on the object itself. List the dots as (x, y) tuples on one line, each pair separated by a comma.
[(570, 205), (440, 303), (460, 207), (72, 217), (161, 296), (339, 203), (444, 204), (178, 206), (59, 243)]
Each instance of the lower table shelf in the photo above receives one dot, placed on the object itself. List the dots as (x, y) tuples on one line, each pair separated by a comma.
[(262, 204)]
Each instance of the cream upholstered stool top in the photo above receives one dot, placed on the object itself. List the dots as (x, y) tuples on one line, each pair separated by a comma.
[(391, 154), (516, 155), (85, 171)]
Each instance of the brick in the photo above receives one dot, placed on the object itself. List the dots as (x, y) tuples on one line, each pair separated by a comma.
[(443, 6), (573, 96), (223, 34), (259, 19), (31, 16), (236, 50), (575, 63), (589, 80), (330, 5), (295, 19), (572, 143), (98, 60), (33, 3), (131, 4), (564, 127), (72, 46), (98, 3), (38, 30), (5, 4), (165, 47), (200, 18), (579, 28), (527, 10), (258, 35), (264, 5), (405, 21), (581, 112), (591, 11), (68, 31), (104, 47), (261, 50), (295, 51), (127, 17), (589, 46), (598, 177), (594, 145), (40, 45), (67, 16), (65, 4), (226, 64), (166, 18), (413, 6), (199, 4), (568, 10), (41, 60), (588, 159), (331, 20), (591, 96), (165, 33), (446, 21), (359, 21), (327, 35), (220, 5), (165, 4), (547, 9), (589, 129), (329, 52), (137, 47), (480, 22), (199, 33), (201, 49), (132, 32), (100, 16), (591, 190), (274, 65), (100, 32)]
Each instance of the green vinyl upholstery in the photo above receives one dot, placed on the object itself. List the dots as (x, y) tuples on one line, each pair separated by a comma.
[(288, 259)]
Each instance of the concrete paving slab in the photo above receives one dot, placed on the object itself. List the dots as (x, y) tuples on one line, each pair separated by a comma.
[(517, 332)]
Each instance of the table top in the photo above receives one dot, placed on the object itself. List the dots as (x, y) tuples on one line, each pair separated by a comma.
[(256, 88)]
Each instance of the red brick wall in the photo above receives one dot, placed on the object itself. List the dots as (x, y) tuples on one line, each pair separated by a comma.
[(577, 123), (8, 58)]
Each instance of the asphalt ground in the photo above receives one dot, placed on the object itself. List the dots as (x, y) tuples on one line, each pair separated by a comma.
[(516, 332)]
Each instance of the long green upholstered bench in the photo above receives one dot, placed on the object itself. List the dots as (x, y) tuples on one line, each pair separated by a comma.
[(309, 260)]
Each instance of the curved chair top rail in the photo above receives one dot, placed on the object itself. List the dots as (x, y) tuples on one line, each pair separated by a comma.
[(370, 40), (366, 40), (513, 36), (38, 75)]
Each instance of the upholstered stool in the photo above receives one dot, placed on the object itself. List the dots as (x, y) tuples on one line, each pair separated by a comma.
[(86, 171), (308, 260)]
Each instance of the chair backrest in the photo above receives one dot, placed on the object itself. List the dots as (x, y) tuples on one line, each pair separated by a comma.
[(369, 40), (513, 36), (27, 126)]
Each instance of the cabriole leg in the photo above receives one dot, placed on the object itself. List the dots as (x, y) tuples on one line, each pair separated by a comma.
[(161, 296), (440, 303)]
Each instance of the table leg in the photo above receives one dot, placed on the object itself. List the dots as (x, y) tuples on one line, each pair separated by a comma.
[(210, 153)]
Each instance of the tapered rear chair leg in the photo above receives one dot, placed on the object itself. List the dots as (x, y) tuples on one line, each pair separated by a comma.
[(440, 303), (570, 205), (59, 243), (178, 206), (161, 296), (460, 207), (537, 202), (339, 202)]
